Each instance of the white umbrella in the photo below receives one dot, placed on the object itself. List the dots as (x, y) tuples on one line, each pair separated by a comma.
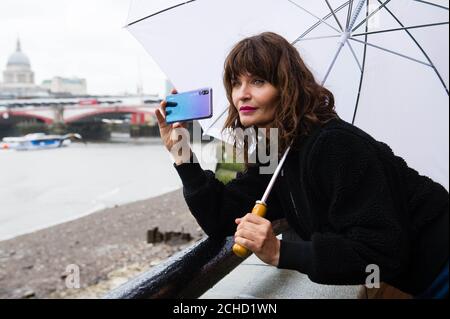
[(386, 61)]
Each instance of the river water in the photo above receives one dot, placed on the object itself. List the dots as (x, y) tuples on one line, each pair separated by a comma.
[(47, 187)]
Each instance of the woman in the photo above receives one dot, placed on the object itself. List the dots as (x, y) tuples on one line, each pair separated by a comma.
[(352, 201)]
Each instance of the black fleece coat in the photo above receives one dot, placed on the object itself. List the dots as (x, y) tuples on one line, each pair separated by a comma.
[(352, 201)]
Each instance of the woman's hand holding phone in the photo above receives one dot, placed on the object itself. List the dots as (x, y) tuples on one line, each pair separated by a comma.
[(170, 132)]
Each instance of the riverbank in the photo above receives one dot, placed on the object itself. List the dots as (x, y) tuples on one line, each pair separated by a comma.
[(109, 247)]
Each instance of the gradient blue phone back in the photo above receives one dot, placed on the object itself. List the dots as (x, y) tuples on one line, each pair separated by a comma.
[(188, 106)]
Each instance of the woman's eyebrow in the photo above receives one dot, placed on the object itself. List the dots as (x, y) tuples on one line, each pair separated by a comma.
[(249, 75)]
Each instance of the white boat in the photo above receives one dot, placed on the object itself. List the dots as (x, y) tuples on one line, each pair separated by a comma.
[(38, 141)]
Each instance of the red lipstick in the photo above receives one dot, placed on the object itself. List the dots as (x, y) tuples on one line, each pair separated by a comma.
[(247, 109)]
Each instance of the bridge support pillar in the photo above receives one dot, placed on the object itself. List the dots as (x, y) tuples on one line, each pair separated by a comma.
[(91, 130)]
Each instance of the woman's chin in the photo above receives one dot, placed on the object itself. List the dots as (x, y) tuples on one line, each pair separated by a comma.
[(247, 122)]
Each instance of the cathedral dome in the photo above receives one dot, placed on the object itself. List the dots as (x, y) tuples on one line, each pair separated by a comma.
[(18, 57)]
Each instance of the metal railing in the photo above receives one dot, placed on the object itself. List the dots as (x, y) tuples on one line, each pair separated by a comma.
[(189, 273)]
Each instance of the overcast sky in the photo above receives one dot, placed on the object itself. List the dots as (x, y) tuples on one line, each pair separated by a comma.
[(78, 38)]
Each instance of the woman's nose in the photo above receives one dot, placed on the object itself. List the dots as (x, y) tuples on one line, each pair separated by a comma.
[(244, 92)]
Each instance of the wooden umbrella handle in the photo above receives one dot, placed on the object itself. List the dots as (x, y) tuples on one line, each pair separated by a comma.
[(260, 210)]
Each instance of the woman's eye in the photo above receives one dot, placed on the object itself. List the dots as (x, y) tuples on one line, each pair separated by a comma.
[(258, 81)]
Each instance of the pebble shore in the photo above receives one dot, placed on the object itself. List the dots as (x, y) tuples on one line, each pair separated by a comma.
[(108, 247)]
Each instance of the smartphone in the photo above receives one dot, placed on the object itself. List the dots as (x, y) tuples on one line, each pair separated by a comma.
[(188, 106)]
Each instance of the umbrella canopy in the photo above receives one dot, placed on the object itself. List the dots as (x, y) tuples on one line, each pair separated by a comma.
[(385, 61)]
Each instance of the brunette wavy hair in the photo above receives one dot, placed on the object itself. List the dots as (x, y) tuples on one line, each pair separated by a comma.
[(303, 103)]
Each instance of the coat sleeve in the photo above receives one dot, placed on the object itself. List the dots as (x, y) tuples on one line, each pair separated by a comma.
[(363, 228), (215, 206)]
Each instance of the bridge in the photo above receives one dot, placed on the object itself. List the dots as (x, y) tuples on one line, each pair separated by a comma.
[(140, 114)]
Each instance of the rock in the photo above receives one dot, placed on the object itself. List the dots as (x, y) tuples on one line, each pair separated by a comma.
[(28, 267), (170, 237), (155, 262), (154, 236), (28, 294)]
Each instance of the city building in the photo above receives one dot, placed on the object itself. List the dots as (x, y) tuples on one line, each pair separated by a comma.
[(18, 77), (60, 86), (19, 80)]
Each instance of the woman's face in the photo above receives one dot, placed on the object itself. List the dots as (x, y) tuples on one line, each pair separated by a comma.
[(255, 100)]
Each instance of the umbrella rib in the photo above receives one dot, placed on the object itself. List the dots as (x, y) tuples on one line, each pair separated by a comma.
[(370, 15), (432, 4), (349, 14), (154, 14), (421, 49), (342, 42), (318, 38), (404, 28), (217, 118), (312, 14), (361, 79), (334, 15), (354, 55), (355, 15), (392, 52), (332, 64), (318, 23)]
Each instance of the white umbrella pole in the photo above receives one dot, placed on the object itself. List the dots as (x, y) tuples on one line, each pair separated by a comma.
[(260, 207), (275, 175)]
